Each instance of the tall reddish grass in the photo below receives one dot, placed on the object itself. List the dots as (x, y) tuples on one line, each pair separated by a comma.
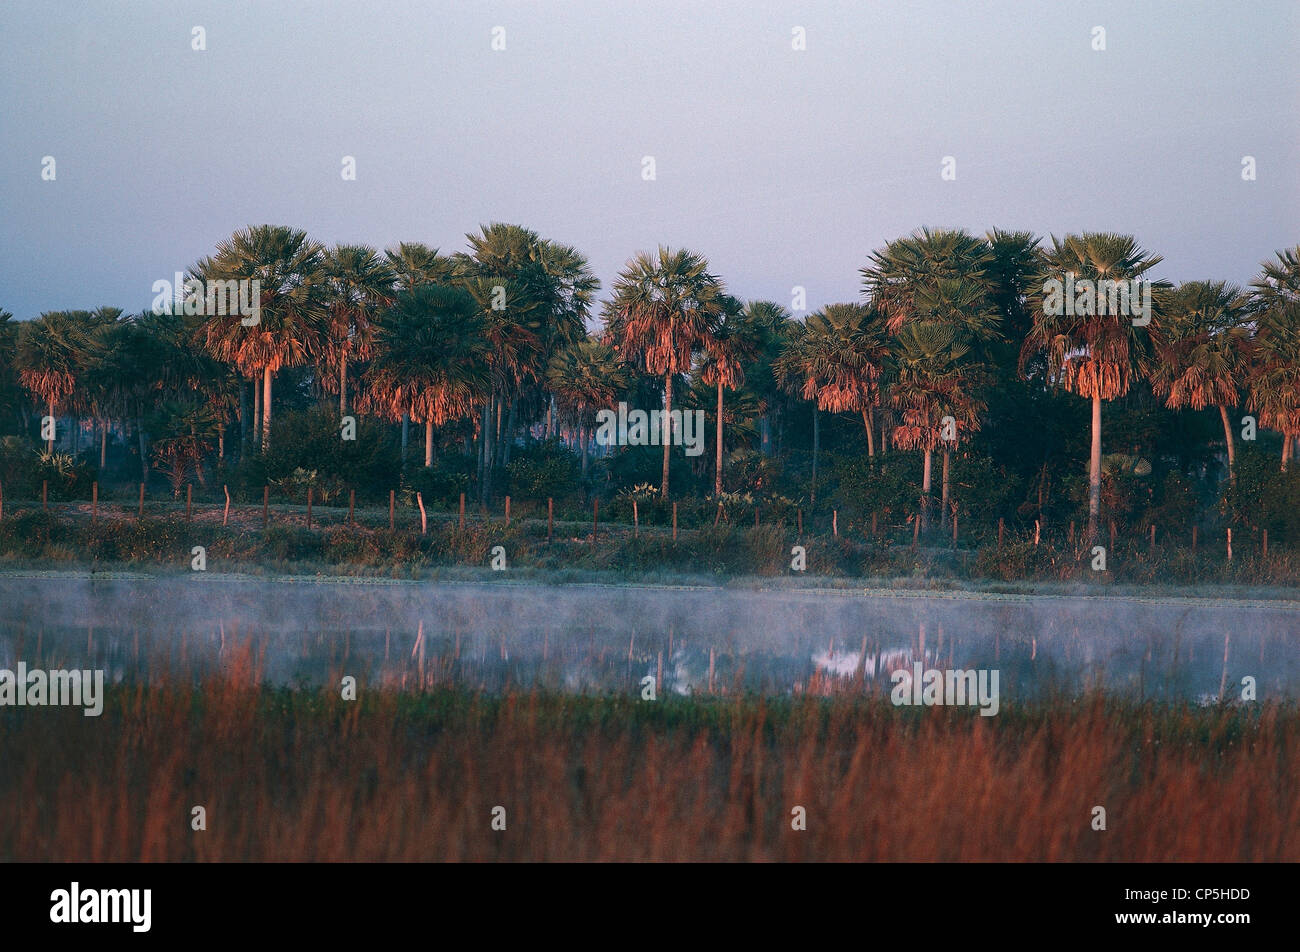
[(410, 776)]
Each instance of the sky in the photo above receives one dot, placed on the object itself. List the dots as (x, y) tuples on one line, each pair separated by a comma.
[(785, 167)]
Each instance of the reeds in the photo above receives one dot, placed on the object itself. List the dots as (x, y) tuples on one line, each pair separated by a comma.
[(302, 775)]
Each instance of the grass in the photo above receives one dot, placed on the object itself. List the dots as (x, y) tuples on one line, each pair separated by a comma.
[(31, 538), (302, 775)]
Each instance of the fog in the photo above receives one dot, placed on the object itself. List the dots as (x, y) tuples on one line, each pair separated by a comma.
[(495, 635)]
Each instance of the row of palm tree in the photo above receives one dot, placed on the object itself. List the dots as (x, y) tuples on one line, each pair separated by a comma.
[(490, 342)]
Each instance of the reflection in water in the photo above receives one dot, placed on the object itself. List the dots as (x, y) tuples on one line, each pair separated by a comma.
[(581, 638)]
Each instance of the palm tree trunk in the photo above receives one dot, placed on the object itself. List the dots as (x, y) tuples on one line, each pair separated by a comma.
[(343, 385), (871, 436), (667, 428), (509, 440), (428, 442), (243, 419), (943, 504), (717, 480), (1232, 451), (1094, 472), (925, 491), (817, 445), (266, 408), (257, 413)]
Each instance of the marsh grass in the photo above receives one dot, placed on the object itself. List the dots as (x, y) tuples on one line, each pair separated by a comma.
[(301, 775)]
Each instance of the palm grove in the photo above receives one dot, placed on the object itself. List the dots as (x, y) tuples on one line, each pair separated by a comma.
[(494, 361)]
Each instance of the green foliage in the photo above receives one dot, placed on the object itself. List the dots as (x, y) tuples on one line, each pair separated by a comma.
[(307, 449), (547, 469)]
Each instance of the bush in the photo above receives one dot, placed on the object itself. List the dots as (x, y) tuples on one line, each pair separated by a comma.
[(544, 470)]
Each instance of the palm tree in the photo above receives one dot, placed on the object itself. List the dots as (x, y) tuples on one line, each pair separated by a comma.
[(839, 359), (1202, 346), (932, 380), (733, 342), (414, 263), (585, 376), (1093, 355), (49, 358), (896, 272), (294, 319), (360, 284), (665, 307), (1275, 295), (430, 359)]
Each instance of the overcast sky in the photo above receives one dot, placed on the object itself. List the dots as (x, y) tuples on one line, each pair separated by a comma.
[(784, 167)]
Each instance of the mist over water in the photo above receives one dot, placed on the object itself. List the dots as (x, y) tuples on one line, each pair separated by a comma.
[(597, 638)]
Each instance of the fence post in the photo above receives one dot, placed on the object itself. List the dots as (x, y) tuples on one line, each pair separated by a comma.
[(1112, 538), (140, 515), (392, 507), (636, 521), (461, 525), (225, 516), (1265, 543), (835, 522), (550, 514), (1194, 528), (916, 528), (1001, 526), (424, 523), (189, 492), (1153, 539), (801, 523), (507, 510), (309, 495), (45, 491), (674, 522), (352, 501), (595, 519), (266, 504), (755, 516), (1038, 530), (954, 528), (1229, 545), (94, 503)]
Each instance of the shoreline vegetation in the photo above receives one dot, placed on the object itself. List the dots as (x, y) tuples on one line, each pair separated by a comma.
[(301, 775), (360, 545)]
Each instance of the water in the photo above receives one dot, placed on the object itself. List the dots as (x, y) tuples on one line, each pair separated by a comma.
[(591, 638)]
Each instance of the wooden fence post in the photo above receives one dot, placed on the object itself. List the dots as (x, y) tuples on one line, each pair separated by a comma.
[(550, 515), (94, 503), (140, 514), (461, 524), (1001, 526), (1194, 528), (1153, 538), (801, 523), (266, 505), (954, 528), (225, 516), (916, 528), (392, 510), (309, 495), (636, 521), (45, 494), (674, 522), (424, 523), (595, 519), (507, 510), (189, 491), (835, 522), (352, 502), (1265, 543), (1112, 538), (756, 516), (1229, 545)]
